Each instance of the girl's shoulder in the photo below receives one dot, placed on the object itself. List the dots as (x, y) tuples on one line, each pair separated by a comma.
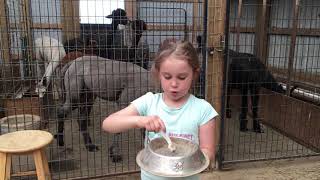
[(151, 95), (198, 101)]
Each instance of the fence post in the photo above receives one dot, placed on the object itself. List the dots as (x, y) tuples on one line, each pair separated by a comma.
[(214, 72)]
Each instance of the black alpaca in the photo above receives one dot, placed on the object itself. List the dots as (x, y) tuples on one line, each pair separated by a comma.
[(108, 44), (248, 74)]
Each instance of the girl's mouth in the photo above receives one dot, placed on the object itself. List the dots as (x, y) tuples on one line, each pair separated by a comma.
[(174, 93)]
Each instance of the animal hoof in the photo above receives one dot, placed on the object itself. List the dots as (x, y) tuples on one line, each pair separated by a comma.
[(92, 148), (40, 90), (258, 130), (257, 127), (114, 154), (59, 139), (243, 129), (116, 158), (228, 113)]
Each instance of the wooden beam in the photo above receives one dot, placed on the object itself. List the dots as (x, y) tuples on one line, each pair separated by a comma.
[(4, 38), (131, 9), (71, 19), (215, 63), (238, 24), (261, 34), (37, 26), (46, 26), (157, 27), (292, 44), (300, 31), (280, 31), (173, 1), (196, 20)]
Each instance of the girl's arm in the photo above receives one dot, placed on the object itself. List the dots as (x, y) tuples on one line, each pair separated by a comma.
[(129, 118), (207, 138)]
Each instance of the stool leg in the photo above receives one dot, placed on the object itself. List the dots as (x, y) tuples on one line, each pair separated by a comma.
[(45, 164), (41, 165), (5, 160)]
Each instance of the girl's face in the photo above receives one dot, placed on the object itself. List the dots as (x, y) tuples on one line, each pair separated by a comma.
[(176, 78)]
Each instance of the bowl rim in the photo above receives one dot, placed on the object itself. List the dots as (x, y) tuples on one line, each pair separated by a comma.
[(161, 138), (142, 152), (36, 120)]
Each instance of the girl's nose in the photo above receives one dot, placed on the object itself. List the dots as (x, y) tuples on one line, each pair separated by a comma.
[(174, 83)]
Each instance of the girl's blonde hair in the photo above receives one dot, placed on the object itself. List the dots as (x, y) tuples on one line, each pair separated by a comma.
[(182, 50)]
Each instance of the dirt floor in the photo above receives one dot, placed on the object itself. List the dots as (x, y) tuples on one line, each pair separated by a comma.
[(288, 169), (73, 160), (302, 168)]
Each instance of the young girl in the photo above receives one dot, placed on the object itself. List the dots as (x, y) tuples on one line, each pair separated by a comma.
[(174, 111)]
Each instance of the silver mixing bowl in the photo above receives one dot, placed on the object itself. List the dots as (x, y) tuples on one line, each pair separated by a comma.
[(186, 160)]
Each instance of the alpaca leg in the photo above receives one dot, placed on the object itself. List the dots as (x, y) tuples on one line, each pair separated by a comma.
[(62, 113), (255, 104), (114, 149), (244, 110), (46, 78), (228, 110), (83, 120), (60, 136)]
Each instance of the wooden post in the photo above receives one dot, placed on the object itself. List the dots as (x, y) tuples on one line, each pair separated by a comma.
[(70, 19), (238, 24), (4, 39), (131, 9), (292, 44), (26, 30), (214, 72), (196, 21), (262, 21)]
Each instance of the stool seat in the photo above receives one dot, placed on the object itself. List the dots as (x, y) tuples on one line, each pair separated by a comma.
[(24, 141)]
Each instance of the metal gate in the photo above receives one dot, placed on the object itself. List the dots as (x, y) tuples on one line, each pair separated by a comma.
[(34, 29), (271, 44)]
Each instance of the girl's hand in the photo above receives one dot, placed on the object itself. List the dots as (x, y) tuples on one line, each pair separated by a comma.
[(151, 123)]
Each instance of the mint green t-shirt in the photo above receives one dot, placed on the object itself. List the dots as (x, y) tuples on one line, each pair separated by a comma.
[(180, 122)]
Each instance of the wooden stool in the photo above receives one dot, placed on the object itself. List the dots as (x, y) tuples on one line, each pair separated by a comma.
[(25, 142)]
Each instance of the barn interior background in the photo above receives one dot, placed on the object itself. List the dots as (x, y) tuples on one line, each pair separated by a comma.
[(284, 35)]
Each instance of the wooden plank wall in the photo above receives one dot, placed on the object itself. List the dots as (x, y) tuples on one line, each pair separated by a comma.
[(294, 118)]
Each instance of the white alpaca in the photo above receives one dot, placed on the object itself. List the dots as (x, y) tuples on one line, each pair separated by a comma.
[(51, 51)]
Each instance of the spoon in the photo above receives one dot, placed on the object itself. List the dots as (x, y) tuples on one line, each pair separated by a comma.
[(171, 145)]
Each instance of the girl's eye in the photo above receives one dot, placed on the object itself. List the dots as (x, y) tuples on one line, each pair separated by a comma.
[(167, 77), (182, 78)]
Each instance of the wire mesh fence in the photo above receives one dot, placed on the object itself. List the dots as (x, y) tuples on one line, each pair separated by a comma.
[(271, 51), (272, 59), (116, 42)]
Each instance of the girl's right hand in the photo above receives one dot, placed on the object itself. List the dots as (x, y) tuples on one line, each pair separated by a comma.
[(151, 123)]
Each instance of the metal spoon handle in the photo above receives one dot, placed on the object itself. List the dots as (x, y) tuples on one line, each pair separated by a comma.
[(171, 146), (166, 137)]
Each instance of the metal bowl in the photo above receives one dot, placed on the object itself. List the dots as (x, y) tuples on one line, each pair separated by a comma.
[(19, 122), (186, 160)]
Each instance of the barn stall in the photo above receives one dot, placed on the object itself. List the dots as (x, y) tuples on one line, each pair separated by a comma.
[(282, 34)]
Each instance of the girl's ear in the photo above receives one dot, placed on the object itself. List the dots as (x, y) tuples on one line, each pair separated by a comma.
[(197, 70), (196, 74)]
